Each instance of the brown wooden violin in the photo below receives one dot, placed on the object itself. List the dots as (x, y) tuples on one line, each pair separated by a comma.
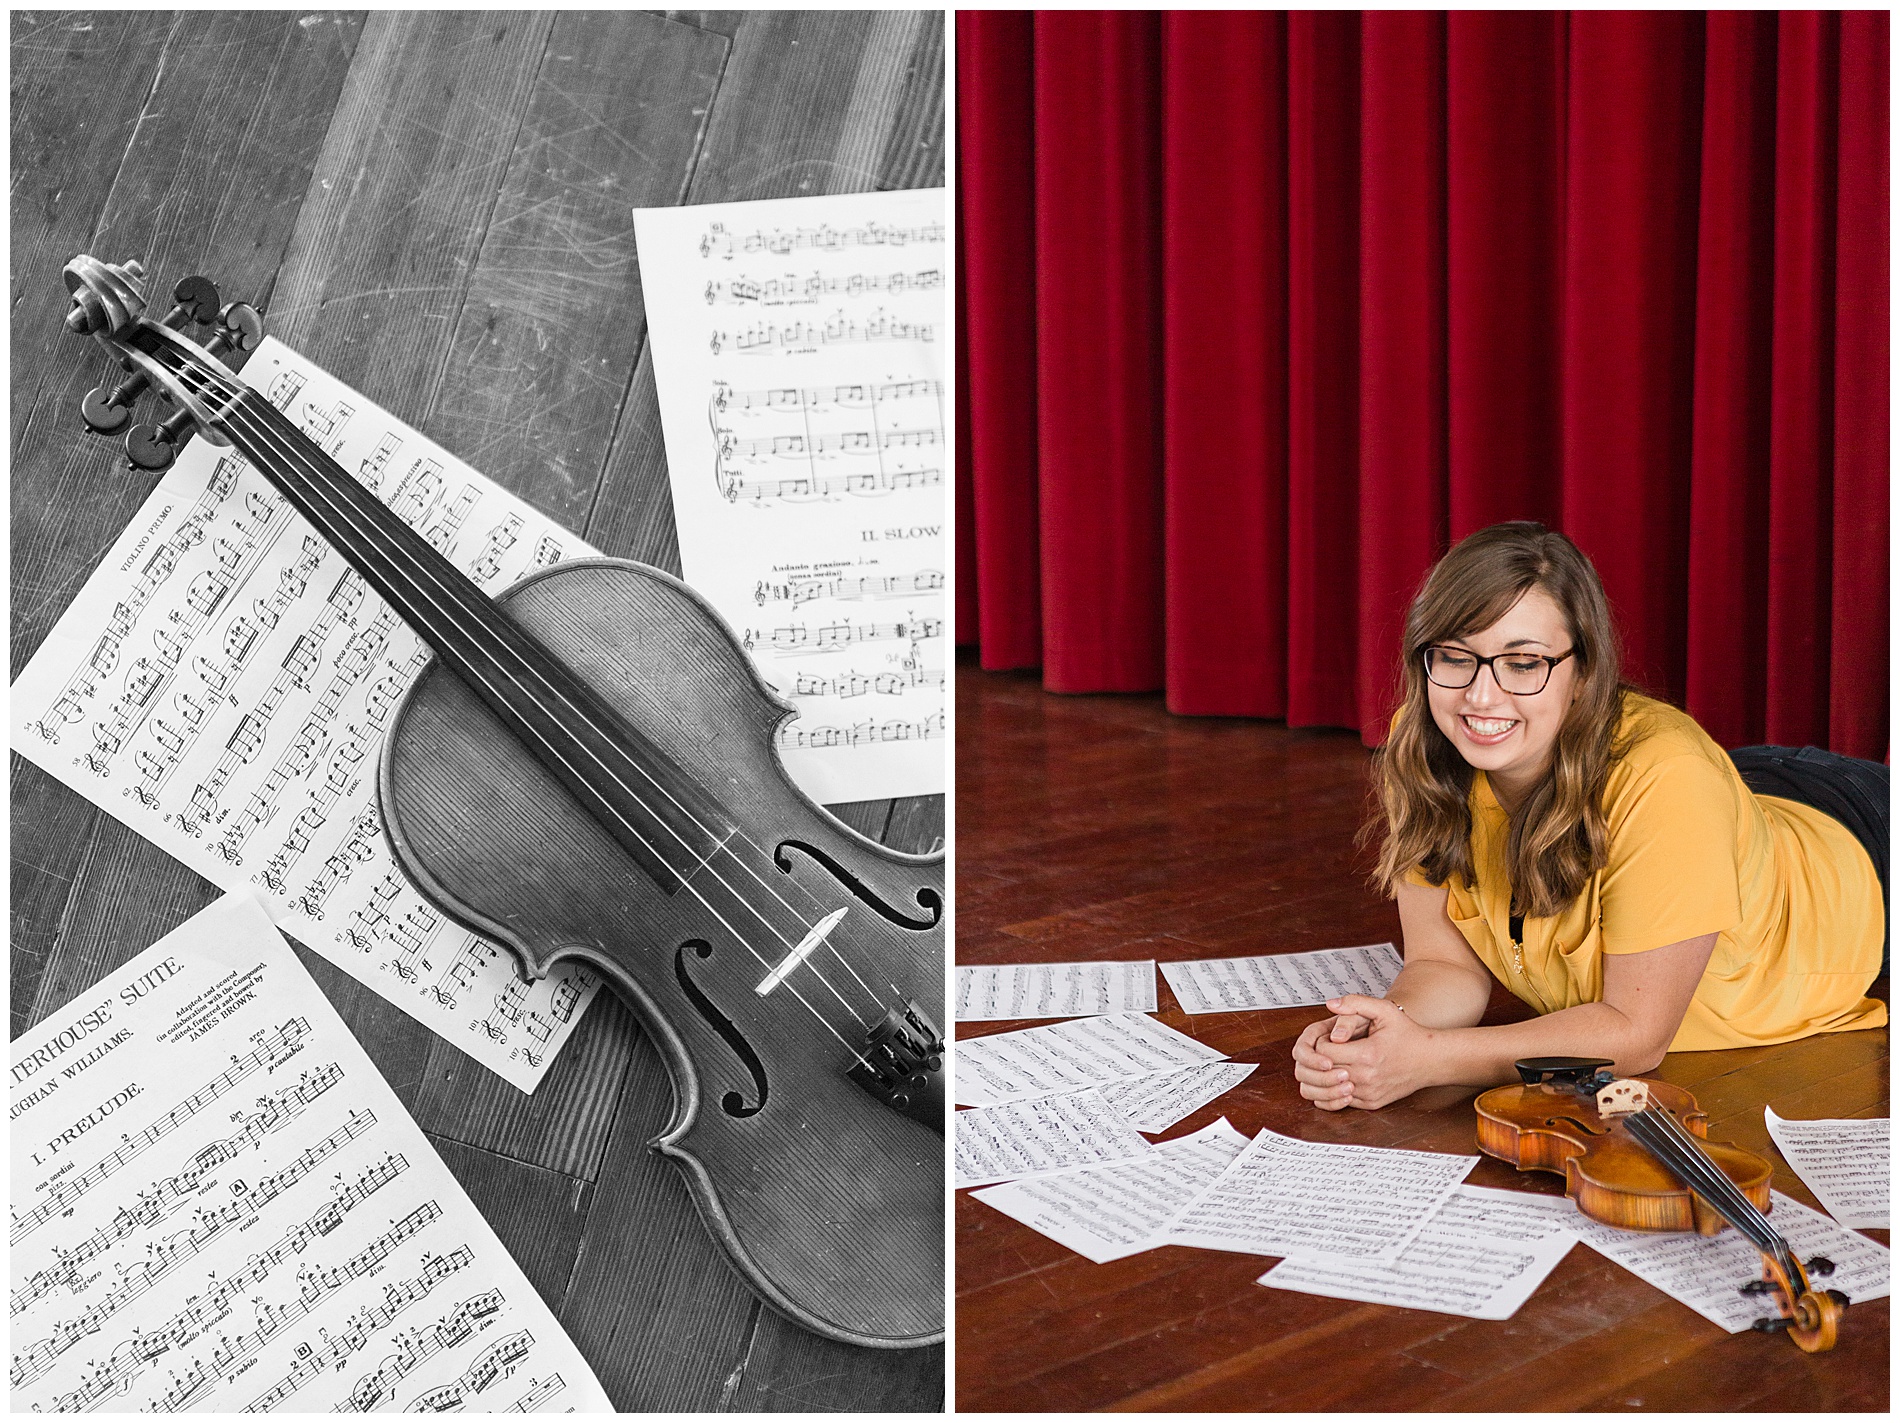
[(587, 770), (1632, 1154)]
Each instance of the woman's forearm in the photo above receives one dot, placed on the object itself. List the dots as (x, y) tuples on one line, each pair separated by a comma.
[(1482, 1057), (1435, 994)]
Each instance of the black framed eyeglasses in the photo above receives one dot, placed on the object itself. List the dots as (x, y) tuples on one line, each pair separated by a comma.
[(1520, 674)]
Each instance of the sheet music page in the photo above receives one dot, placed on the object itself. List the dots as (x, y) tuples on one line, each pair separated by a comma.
[(222, 683), (1156, 1102), (990, 992), (1282, 980), (1283, 1196), (1042, 1134), (1064, 1057), (219, 1204), (1847, 1162), (1108, 1212), (1706, 1272), (1482, 1255), (799, 347)]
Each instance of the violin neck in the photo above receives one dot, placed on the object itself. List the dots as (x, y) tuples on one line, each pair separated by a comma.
[(629, 786)]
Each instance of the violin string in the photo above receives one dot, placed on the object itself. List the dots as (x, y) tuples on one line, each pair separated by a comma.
[(260, 431)]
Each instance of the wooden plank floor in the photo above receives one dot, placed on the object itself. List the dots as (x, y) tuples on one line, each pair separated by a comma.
[(1101, 827), (435, 207)]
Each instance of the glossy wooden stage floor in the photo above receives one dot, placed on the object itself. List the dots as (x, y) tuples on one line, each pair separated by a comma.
[(1102, 827), (435, 207)]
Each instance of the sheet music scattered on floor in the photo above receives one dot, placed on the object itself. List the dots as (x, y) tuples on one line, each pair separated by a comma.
[(1284, 1196), (222, 683), (1065, 1057), (994, 992), (800, 347), (1041, 1134), (1706, 1272), (1482, 1254), (1107, 1212), (1282, 980), (1156, 1102), (1847, 1162), (218, 1204)]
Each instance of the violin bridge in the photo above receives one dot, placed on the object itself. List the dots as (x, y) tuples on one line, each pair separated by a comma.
[(800, 952), (1623, 1096)]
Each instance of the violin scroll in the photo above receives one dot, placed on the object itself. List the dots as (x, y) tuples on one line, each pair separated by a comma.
[(1810, 1317), (109, 305)]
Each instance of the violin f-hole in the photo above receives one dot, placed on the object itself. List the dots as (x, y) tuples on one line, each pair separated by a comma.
[(733, 1103), (928, 898)]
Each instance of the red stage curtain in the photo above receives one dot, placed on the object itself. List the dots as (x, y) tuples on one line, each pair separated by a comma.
[(1264, 310)]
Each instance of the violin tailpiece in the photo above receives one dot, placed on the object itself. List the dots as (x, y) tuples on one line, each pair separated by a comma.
[(902, 1065)]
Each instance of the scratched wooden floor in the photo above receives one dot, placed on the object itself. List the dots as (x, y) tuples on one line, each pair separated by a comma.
[(1101, 827), (435, 207)]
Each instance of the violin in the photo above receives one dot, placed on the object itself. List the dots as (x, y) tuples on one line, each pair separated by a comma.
[(1633, 1154), (587, 769)]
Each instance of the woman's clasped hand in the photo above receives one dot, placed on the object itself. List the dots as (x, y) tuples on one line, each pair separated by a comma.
[(1369, 1055)]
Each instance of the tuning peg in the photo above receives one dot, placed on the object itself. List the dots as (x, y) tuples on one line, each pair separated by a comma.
[(244, 326), (148, 446)]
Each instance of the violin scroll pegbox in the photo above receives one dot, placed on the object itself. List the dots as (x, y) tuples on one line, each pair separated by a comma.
[(109, 305)]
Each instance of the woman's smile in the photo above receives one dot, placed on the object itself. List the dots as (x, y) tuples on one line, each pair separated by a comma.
[(1488, 731)]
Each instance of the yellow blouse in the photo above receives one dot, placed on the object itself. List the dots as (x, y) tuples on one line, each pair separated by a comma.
[(1789, 892)]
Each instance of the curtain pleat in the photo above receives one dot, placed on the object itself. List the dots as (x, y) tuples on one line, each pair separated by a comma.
[(1224, 332), (1504, 112), (1098, 304), (1402, 354), (1264, 310), (1858, 675), (996, 201), (1801, 431), (1631, 176), (1728, 493)]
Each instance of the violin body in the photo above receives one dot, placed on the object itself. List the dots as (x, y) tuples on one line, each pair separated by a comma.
[(760, 1100), (588, 769), (1612, 1177)]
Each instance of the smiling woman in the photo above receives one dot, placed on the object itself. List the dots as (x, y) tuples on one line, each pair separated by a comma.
[(1546, 824)]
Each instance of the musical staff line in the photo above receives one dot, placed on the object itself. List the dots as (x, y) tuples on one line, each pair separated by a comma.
[(862, 733), (168, 1196), (274, 1049), (319, 1285), (31, 1363), (782, 241)]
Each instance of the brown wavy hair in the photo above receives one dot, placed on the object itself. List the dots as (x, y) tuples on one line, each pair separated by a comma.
[(1559, 836)]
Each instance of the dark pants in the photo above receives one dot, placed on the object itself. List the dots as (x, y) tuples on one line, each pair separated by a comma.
[(1854, 792)]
